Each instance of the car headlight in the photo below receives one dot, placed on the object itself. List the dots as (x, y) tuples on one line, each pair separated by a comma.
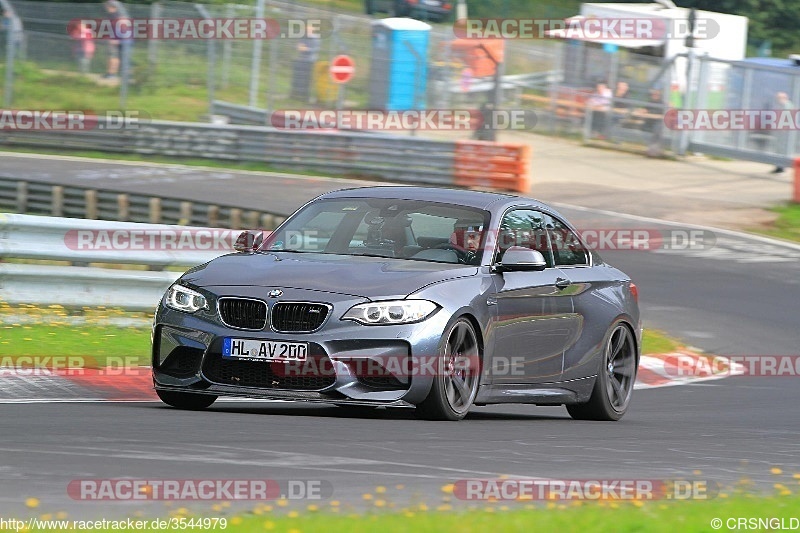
[(391, 312), (184, 299)]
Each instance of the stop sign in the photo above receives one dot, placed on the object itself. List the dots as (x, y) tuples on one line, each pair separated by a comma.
[(342, 69)]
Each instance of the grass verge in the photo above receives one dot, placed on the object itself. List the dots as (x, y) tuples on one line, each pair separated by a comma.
[(787, 225), (52, 332), (688, 516)]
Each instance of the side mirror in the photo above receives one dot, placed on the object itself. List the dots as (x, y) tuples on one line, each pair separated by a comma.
[(248, 241), (519, 259)]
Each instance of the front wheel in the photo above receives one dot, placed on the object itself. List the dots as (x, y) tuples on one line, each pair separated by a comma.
[(457, 375), (186, 400), (614, 384)]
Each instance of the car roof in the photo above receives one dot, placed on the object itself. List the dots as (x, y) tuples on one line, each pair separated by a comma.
[(467, 198)]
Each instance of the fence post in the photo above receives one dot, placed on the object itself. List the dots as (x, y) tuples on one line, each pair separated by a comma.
[(155, 210), (268, 222), (236, 218), (185, 214), (123, 207), (22, 197), (91, 204), (255, 65), (57, 201), (212, 217)]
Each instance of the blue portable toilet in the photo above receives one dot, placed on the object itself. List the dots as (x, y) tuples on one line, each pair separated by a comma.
[(399, 67)]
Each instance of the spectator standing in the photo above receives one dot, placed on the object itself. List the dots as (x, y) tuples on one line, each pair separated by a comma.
[(599, 105), (782, 103)]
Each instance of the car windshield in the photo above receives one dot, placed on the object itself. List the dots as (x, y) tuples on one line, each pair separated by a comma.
[(405, 229)]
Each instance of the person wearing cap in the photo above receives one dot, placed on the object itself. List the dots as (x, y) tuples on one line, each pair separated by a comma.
[(466, 238)]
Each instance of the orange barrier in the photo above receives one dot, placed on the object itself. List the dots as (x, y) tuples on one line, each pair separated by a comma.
[(493, 165), (796, 198)]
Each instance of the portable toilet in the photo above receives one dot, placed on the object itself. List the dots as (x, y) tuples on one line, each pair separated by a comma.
[(399, 72)]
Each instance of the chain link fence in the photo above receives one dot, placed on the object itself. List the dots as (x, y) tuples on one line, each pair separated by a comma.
[(557, 80)]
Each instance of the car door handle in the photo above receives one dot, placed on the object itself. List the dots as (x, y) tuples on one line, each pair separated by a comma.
[(563, 283)]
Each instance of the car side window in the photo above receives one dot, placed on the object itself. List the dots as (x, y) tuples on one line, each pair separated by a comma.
[(526, 228), (568, 250)]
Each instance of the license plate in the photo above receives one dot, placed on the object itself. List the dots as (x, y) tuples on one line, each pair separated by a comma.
[(431, 2), (258, 350)]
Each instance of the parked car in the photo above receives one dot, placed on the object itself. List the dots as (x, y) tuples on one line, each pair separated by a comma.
[(433, 10), (419, 297)]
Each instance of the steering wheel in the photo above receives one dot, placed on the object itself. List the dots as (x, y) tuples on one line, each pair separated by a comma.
[(464, 256)]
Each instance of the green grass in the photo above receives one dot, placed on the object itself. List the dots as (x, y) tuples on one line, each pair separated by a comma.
[(685, 516), (657, 342), (99, 344), (583, 517), (787, 225)]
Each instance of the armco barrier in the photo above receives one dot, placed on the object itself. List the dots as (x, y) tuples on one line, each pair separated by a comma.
[(493, 165), (56, 239), (38, 198), (399, 158)]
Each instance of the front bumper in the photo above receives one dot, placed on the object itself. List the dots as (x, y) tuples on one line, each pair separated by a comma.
[(348, 362)]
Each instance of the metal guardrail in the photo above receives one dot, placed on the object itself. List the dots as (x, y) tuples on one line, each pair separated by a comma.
[(88, 242), (405, 159), (78, 202)]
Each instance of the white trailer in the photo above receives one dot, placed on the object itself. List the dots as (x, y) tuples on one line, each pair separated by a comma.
[(717, 35)]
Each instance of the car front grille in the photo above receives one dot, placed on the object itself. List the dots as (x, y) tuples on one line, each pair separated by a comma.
[(243, 313), (298, 317), (313, 374)]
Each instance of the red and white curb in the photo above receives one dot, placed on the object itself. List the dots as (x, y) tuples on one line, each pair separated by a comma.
[(135, 384)]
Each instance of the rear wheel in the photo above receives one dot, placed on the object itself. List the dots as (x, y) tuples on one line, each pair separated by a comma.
[(614, 384), (457, 375), (186, 400)]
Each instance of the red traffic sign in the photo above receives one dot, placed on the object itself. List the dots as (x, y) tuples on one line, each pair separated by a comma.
[(342, 69)]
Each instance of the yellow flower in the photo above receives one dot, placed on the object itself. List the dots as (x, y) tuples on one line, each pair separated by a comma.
[(269, 525), (380, 489), (448, 489), (236, 520), (282, 503), (775, 470), (380, 503), (292, 514), (312, 508), (334, 503), (32, 503), (367, 496)]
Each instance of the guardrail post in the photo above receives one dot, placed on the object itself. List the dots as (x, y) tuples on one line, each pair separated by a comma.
[(185, 214), (212, 216), (123, 207), (57, 201), (252, 220), (155, 210), (268, 222), (796, 198), (91, 204), (22, 197), (236, 218)]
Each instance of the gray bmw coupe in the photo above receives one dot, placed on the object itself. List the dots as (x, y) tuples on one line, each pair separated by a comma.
[(435, 299)]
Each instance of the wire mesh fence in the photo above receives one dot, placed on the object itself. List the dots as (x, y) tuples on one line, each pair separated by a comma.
[(579, 89)]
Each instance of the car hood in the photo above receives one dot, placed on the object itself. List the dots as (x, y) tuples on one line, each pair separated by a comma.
[(365, 277)]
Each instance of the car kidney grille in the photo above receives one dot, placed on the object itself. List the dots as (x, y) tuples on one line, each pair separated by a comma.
[(242, 313), (298, 317)]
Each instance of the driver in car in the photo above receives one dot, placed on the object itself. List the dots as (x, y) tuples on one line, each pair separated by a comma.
[(466, 238)]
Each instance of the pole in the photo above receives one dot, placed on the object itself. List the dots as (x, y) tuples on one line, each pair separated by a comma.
[(255, 66)]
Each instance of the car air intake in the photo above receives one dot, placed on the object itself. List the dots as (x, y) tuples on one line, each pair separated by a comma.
[(298, 317), (243, 313)]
